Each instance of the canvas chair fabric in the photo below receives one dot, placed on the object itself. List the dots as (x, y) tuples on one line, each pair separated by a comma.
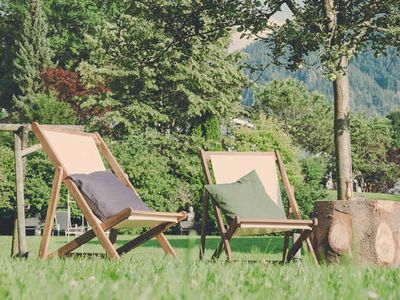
[(228, 167), (75, 152)]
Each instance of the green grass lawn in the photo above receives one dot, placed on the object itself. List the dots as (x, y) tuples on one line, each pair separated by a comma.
[(146, 273)]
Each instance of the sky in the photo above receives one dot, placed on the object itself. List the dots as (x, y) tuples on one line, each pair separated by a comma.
[(238, 44)]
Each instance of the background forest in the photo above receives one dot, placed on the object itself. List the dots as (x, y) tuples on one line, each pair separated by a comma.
[(374, 81), (141, 74)]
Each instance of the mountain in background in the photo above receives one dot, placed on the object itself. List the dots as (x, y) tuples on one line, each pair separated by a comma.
[(374, 82)]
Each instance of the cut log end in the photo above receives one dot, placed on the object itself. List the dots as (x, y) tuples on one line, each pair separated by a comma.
[(339, 238), (368, 231), (384, 244)]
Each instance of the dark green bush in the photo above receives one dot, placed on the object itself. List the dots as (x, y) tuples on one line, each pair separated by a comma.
[(7, 181), (165, 169), (314, 169)]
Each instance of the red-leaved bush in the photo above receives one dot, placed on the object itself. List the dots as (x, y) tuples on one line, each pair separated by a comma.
[(67, 85)]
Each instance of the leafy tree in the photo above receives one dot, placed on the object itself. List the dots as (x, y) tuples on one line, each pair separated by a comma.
[(210, 130), (69, 21), (47, 109), (305, 116), (334, 31), (371, 141), (7, 180), (174, 94), (11, 16), (33, 55), (394, 117), (314, 169), (89, 100)]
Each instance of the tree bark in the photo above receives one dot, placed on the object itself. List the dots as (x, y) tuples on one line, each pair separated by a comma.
[(342, 134)]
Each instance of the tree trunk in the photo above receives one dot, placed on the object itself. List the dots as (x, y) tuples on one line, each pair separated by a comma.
[(366, 231), (342, 134)]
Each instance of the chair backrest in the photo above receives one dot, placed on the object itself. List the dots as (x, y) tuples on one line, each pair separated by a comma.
[(228, 167), (62, 220), (75, 151)]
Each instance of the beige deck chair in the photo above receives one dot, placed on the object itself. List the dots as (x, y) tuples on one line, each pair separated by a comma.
[(228, 167), (74, 152)]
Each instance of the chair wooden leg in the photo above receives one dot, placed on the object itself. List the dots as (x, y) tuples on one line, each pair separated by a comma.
[(113, 235), (164, 243), (296, 246), (218, 251), (285, 246), (74, 244), (51, 210), (93, 222), (89, 235), (105, 242), (204, 225), (222, 231), (312, 251), (223, 245), (157, 230), (225, 240)]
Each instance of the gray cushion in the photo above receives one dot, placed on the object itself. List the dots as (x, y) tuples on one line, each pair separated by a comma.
[(106, 195)]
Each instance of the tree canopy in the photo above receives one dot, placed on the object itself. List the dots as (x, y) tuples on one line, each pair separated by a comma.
[(304, 115), (332, 31), (307, 117), (156, 78)]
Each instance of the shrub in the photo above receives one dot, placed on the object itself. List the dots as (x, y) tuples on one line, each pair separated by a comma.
[(371, 140), (314, 169), (165, 169), (88, 98), (47, 109), (7, 181)]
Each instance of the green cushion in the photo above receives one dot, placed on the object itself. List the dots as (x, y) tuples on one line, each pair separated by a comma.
[(245, 198)]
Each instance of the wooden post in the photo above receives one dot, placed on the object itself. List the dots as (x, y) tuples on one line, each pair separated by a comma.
[(15, 239), (14, 245), (21, 132), (19, 170)]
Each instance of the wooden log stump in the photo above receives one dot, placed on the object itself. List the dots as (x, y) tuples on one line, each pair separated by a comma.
[(367, 231)]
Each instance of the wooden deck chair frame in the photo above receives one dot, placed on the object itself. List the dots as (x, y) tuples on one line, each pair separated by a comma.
[(163, 221), (227, 231)]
